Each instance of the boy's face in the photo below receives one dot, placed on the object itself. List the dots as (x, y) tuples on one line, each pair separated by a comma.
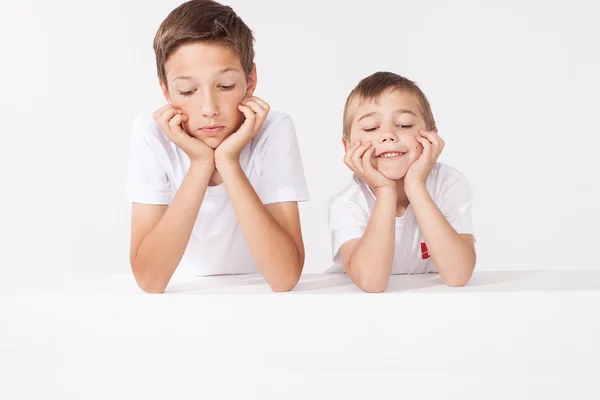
[(206, 82), (391, 123)]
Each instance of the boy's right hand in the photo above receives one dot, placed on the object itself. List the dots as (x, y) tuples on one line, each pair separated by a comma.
[(170, 120), (358, 159)]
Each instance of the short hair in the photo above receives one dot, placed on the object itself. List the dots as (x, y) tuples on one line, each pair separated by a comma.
[(373, 86), (203, 21)]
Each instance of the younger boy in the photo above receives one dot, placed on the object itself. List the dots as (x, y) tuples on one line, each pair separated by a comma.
[(214, 175), (404, 213)]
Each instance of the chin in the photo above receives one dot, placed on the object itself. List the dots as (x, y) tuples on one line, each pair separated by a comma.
[(393, 174), (213, 143)]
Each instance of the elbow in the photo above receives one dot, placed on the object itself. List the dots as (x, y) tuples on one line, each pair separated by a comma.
[(281, 287), (287, 282), (373, 287), (459, 279), (151, 288), (148, 283), (368, 282), (284, 284), (373, 284)]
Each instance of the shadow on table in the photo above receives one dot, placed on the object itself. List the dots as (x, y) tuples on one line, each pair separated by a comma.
[(534, 281), (332, 283), (251, 284), (340, 282), (216, 283), (482, 281), (433, 282), (505, 281)]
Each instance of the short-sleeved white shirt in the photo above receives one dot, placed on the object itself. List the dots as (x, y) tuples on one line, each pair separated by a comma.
[(350, 210), (271, 161)]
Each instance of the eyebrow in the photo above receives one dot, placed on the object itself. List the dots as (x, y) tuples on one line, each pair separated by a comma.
[(222, 71), (398, 111), (404, 111), (228, 69)]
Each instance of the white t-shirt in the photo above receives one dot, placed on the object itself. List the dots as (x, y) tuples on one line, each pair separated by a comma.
[(217, 246), (349, 214)]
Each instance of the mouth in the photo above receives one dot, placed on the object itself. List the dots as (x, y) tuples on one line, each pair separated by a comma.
[(391, 155), (212, 130)]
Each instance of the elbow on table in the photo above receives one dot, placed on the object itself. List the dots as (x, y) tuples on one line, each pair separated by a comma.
[(373, 284), (458, 279), (459, 272), (152, 288), (148, 283), (366, 279), (284, 284)]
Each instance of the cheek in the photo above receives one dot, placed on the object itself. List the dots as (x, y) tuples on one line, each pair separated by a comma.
[(358, 136), (414, 146), (416, 152), (229, 103), (184, 105)]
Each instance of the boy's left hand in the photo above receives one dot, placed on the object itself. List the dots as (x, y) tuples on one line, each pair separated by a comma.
[(418, 172), (255, 112)]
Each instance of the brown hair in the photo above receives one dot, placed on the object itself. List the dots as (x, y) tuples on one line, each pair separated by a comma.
[(203, 21), (374, 85)]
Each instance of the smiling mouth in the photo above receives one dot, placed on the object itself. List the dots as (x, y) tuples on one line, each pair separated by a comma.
[(391, 154)]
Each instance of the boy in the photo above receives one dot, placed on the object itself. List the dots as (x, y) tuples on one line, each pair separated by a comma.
[(214, 175), (403, 213)]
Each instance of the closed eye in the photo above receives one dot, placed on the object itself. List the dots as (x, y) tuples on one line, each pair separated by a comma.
[(371, 129), (230, 87), (187, 93), (405, 126)]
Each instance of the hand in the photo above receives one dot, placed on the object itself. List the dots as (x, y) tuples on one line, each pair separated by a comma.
[(170, 120), (418, 172), (255, 112), (358, 159)]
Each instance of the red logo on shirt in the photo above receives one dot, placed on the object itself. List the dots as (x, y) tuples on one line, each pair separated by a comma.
[(424, 251)]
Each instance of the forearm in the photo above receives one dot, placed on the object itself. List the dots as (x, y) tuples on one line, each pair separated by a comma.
[(274, 251), (452, 256), (161, 251), (370, 264)]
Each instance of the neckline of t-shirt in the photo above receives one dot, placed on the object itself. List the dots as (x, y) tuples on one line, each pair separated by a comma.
[(407, 214), (220, 189), (216, 190), (399, 220)]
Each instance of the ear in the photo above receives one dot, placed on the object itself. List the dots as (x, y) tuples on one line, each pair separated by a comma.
[(165, 91), (435, 130), (345, 143), (252, 81)]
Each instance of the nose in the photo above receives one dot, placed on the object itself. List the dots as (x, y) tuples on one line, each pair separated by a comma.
[(388, 138), (210, 107)]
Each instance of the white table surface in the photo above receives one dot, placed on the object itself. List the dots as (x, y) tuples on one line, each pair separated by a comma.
[(507, 335)]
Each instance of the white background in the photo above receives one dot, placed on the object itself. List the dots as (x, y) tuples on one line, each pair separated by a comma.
[(513, 86)]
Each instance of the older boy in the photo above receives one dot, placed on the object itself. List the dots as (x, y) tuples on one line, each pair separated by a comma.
[(214, 175)]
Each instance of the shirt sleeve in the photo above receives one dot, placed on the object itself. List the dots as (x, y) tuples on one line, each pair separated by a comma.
[(147, 179), (282, 176), (457, 201), (347, 221)]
